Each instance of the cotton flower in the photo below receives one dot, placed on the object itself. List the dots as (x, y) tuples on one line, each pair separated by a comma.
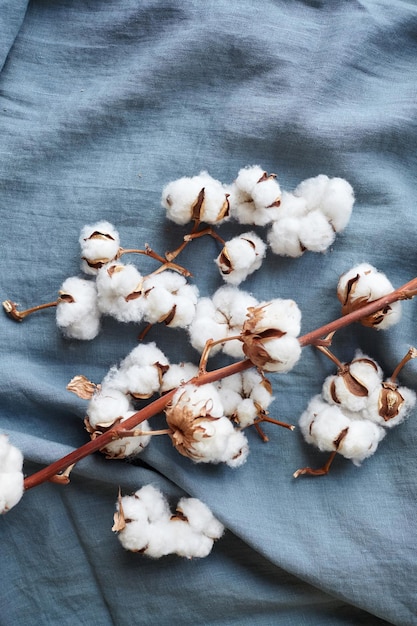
[(170, 299), (177, 374), (11, 474), (269, 335), (333, 197), (201, 431), (100, 244), (145, 524), (240, 257), (254, 196), (219, 317), (331, 430), (77, 313), (107, 407), (352, 386), (199, 198), (119, 292), (389, 404), (140, 373), (363, 284)]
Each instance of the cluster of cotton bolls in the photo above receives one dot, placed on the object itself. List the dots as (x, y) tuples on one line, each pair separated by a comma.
[(201, 431), (354, 409), (362, 284), (306, 219), (145, 524), (245, 397), (138, 376), (120, 290), (265, 332), (11, 474)]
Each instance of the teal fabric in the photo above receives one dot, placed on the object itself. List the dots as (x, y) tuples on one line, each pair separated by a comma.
[(101, 104)]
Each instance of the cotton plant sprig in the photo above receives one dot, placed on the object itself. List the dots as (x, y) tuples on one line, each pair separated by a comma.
[(354, 409), (314, 337)]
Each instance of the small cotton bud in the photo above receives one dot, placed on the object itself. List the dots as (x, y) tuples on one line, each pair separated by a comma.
[(77, 312), (99, 245), (241, 257), (363, 284), (199, 198), (11, 474)]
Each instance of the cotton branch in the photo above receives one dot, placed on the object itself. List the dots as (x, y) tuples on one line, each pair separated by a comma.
[(407, 291)]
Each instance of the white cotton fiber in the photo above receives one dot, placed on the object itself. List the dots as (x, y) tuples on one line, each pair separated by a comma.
[(77, 312)]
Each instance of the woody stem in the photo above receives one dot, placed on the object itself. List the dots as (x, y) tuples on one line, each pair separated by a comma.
[(19, 316)]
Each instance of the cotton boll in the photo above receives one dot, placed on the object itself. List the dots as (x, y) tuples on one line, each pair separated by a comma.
[(281, 354), (200, 518), (11, 475), (337, 203), (360, 441), (246, 412), (312, 190), (241, 257), (205, 326), (144, 354), (291, 206), (199, 197), (128, 447), (119, 289), (315, 232), (323, 425), (389, 405), (77, 313), (363, 284), (280, 314), (170, 299), (178, 374), (257, 388), (237, 449), (100, 244), (230, 390), (231, 306), (284, 237), (154, 503), (255, 196), (106, 405), (220, 443)]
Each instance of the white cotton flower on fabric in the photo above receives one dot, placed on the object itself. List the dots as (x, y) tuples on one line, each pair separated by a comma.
[(145, 524), (119, 292), (334, 197), (254, 196), (362, 284), (177, 374), (219, 317), (315, 232), (270, 335), (201, 198), (240, 257), (329, 429), (11, 474), (77, 312), (106, 405), (170, 299), (140, 373), (284, 237), (201, 431), (100, 243), (389, 405), (129, 447), (352, 386)]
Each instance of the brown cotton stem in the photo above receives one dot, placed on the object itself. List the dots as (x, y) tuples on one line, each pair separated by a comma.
[(154, 255), (19, 316), (411, 354), (405, 292)]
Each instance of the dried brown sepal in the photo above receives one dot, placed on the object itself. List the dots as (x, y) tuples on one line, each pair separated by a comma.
[(63, 477), (390, 401), (225, 263), (225, 209), (185, 425), (82, 387), (66, 297), (197, 209), (119, 521)]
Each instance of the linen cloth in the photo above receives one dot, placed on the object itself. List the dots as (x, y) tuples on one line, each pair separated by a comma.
[(103, 103)]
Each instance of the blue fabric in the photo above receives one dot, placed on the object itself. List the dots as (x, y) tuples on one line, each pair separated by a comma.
[(103, 103)]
